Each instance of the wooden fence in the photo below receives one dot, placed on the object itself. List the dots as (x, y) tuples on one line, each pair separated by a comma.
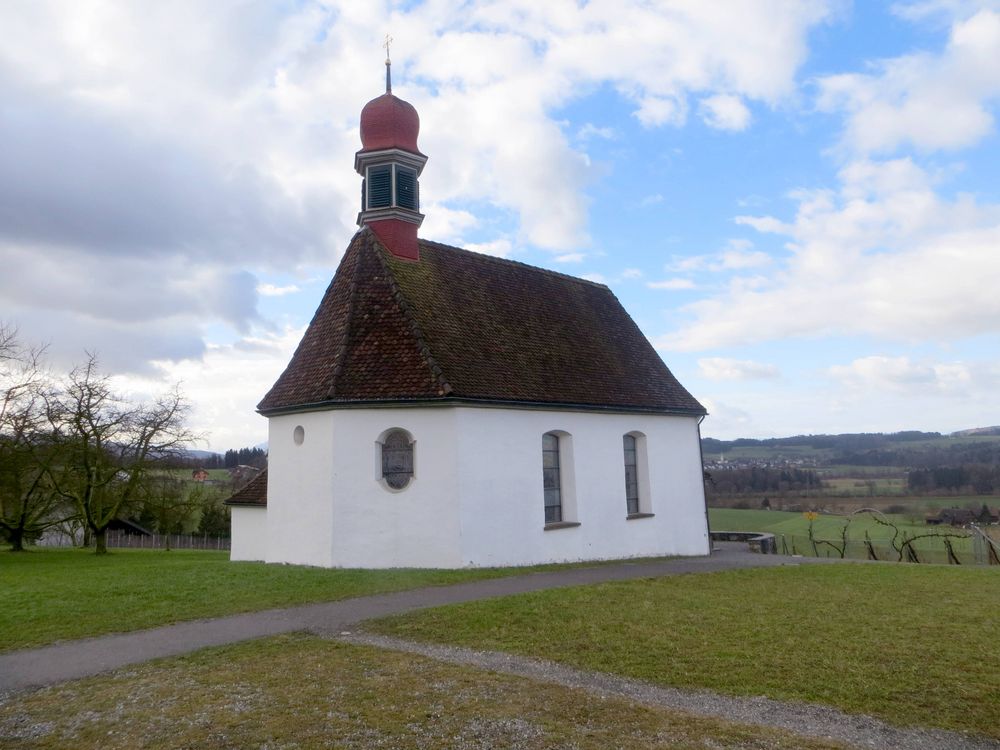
[(123, 540)]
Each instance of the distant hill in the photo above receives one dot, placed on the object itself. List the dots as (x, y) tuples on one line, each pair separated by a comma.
[(200, 454), (977, 431), (897, 449)]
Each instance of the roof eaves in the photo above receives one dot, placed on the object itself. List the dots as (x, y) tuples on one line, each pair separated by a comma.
[(480, 402)]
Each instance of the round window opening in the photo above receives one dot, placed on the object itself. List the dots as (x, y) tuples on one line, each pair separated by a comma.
[(299, 434), (397, 459)]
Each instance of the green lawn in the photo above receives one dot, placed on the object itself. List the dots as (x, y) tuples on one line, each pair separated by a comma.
[(912, 644), (50, 595)]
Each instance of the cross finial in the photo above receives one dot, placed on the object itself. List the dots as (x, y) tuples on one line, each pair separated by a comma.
[(388, 64)]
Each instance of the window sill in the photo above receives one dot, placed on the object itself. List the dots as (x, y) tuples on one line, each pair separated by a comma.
[(560, 525), (633, 516)]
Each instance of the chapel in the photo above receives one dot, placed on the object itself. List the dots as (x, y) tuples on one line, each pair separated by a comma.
[(448, 409)]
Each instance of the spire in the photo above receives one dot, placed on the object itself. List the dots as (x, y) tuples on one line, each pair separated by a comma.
[(388, 64)]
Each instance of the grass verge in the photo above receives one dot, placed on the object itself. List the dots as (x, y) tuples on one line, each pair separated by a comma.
[(59, 594), (915, 645), (51, 595), (299, 691)]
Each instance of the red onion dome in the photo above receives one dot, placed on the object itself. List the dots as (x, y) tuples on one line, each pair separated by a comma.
[(389, 122)]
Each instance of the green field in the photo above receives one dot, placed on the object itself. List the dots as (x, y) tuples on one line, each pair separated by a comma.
[(909, 643), (794, 527), (51, 595), (796, 524)]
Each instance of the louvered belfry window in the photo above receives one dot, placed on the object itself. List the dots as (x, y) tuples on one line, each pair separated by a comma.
[(406, 188), (397, 459), (380, 186), (631, 476), (551, 481), (389, 185)]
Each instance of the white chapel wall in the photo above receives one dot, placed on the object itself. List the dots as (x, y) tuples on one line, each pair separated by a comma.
[(500, 483), (300, 489), (476, 497), (377, 527), (249, 533)]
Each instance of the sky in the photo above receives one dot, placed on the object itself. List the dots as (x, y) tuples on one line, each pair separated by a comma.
[(798, 202)]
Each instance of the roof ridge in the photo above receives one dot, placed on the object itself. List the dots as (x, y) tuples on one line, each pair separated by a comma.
[(509, 261), (339, 355), (405, 308)]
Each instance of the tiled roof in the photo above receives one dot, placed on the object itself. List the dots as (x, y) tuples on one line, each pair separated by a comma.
[(253, 493), (458, 325)]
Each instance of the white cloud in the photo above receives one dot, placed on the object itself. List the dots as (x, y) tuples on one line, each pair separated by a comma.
[(651, 200), (632, 273), (675, 284), (570, 258), (658, 110), (883, 255), (903, 101), (270, 290), (501, 248), (722, 368), (724, 112), (737, 255), (595, 277), (589, 130), (727, 422), (224, 385), (903, 374)]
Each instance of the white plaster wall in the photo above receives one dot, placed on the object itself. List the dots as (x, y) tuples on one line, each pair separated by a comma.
[(249, 533), (476, 497), (500, 483), (376, 527), (300, 489)]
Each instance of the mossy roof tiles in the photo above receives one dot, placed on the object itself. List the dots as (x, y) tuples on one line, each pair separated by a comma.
[(253, 492), (459, 325)]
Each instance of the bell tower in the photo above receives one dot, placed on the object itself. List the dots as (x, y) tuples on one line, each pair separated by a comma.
[(390, 164)]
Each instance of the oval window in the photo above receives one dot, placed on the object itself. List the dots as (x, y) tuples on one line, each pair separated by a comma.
[(397, 459)]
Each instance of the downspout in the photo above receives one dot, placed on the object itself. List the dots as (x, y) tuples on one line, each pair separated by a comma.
[(704, 498)]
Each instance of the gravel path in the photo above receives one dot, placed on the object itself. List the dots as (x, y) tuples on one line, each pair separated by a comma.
[(800, 718)]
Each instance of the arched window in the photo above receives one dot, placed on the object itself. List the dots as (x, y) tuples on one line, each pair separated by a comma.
[(637, 492), (631, 476), (551, 478), (397, 459)]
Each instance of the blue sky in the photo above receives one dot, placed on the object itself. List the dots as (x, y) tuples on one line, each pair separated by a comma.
[(797, 201)]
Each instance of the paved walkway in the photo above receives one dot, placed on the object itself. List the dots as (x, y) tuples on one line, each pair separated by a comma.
[(74, 659)]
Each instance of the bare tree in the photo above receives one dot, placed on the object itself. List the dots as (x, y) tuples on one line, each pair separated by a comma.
[(109, 447), (29, 503), (171, 502)]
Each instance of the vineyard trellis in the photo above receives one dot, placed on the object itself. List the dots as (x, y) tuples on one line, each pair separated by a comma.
[(970, 545)]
